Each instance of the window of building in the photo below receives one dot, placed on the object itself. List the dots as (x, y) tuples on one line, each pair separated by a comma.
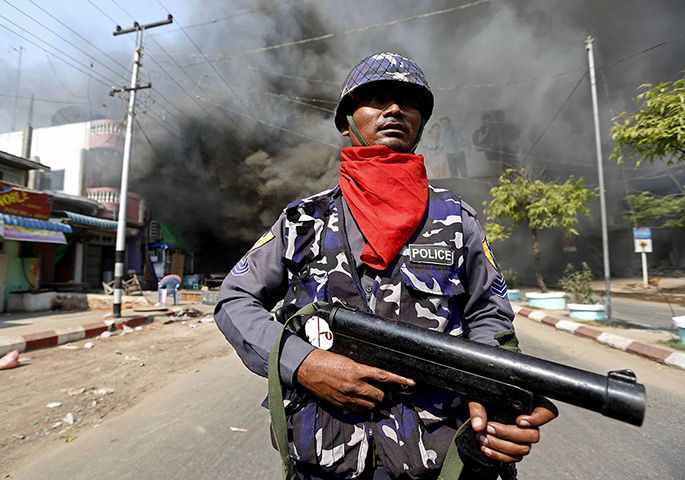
[(53, 180)]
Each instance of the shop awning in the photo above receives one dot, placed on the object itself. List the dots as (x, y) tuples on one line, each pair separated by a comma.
[(32, 230), (91, 221)]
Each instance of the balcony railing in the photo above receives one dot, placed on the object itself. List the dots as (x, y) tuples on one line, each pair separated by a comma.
[(109, 199)]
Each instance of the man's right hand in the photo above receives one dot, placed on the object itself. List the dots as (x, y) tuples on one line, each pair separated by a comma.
[(344, 382)]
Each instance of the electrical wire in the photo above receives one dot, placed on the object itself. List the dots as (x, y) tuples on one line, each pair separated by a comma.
[(213, 67), (59, 36), (154, 150), (63, 102), (228, 132), (328, 36), (642, 51), (194, 99), (228, 17), (102, 12), (57, 57), (288, 98), (554, 117), (293, 132), (59, 79), (80, 36)]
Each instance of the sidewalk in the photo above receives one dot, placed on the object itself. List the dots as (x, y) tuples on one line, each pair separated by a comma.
[(644, 343), (25, 331), (30, 330), (660, 289)]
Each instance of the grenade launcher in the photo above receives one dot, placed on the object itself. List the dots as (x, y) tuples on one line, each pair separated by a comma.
[(506, 381)]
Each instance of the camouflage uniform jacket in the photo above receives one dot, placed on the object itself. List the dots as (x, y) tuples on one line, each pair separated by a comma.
[(319, 242)]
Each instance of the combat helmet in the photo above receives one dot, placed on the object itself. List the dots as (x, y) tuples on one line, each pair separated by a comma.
[(384, 67)]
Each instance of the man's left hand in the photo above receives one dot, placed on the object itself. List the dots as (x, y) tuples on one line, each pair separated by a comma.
[(510, 443)]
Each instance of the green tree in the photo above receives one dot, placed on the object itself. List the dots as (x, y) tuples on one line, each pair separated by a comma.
[(522, 198), (657, 128), (649, 210)]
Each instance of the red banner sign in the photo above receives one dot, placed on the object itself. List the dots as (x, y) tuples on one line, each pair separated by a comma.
[(16, 200)]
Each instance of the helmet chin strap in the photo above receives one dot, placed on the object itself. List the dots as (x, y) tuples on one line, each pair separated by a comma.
[(355, 130)]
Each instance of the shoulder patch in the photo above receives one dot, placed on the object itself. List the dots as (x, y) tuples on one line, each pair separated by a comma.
[(488, 254), (241, 268), (499, 286), (264, 239)]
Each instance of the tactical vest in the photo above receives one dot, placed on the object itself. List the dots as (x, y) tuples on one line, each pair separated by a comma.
[(422, 287)]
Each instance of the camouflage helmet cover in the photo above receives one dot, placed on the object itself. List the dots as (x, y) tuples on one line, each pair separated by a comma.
[(384, 66)]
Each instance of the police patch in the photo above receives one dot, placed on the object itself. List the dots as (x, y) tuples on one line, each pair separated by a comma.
[(431, 254), (266, 238), (488, 254), (241, 268), (499, 286)]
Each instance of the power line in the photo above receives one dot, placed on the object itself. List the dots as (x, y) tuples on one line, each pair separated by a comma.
[(554, 117), (642, 51), (80, 36), (102, 12), (228, 132), (228, 17), (512, 82), (328, 36), (293, 132), (58, 58), (57, 35), (486, 85), (43, 99), (154, 150), (217, 72), (294, 77), (191, 96), (160, 123), (59, 79), (288, 98)]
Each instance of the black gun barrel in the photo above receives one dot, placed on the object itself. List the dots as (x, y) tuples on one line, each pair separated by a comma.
[(617, 395)]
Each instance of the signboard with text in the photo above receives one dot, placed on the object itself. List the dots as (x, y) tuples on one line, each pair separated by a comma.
[(16, 200), (643, 240)]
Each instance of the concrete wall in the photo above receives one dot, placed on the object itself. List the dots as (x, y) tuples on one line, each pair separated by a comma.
[(17, 269)]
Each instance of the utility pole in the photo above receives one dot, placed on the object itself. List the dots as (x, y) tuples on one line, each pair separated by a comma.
[(119, 254), (600, 170)]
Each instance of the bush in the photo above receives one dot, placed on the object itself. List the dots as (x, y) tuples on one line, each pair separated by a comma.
[(578, 283), (511, 276)]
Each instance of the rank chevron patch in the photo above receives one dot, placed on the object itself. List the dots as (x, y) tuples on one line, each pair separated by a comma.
[(499, 286), (241, 268)]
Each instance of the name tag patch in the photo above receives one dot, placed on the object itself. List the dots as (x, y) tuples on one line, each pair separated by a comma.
[(431, 254)]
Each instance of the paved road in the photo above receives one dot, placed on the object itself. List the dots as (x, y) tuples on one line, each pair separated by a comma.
[(183, 431), (586, 445), (652, 314)]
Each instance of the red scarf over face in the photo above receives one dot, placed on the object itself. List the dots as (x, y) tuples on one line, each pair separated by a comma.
[(387, 193)]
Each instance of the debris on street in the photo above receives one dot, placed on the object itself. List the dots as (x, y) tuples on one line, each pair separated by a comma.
[(54, 404), (236, 429), (89, 345), (10, 360), (126, 329), (187, 314)]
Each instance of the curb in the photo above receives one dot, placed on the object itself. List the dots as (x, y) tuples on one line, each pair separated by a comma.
[(650, 352), (60, 336)]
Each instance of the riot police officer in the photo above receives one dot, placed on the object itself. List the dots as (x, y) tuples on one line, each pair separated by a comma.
[(354, 243)]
